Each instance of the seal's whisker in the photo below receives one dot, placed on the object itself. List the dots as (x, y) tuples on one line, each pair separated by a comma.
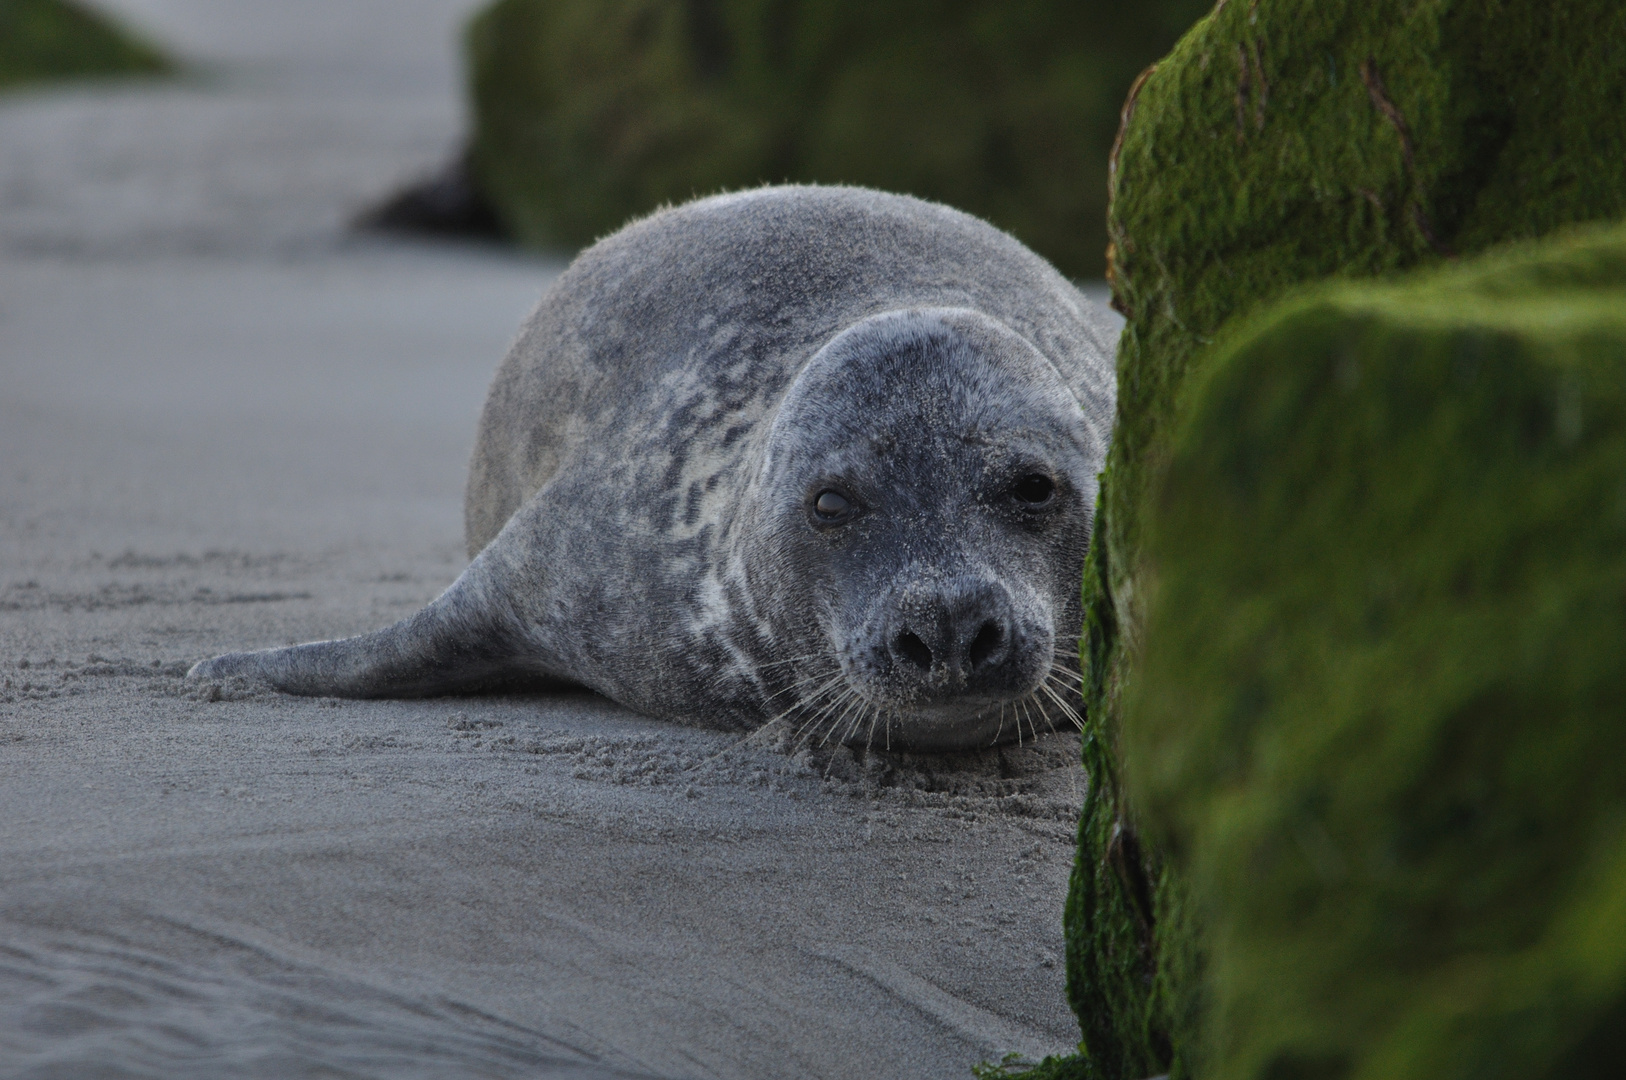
[(1074, 717), (811, 677), (1061, 703), (811, 725), (839, 720), (809, 728), (1037, 706), (869, 736), (1073, 720), (1037, 712), (1065, 675), (725, 678), (855, 707), (851, 717), (1067, 652), (1049, 721), (828, 675), (858, 718), (767, 664), (831, 761), (823, 688), (770, 727), (800, 737), (1044, 714), (1068, 674), (761, 733), (1026, 712), (866, 720), (805, 732), (830, 684), (851, 700)]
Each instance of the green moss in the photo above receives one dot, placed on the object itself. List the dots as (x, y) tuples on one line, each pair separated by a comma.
[(1051, 1068), (55, 39), (590, 111), (1378, 723), (1284, 141)]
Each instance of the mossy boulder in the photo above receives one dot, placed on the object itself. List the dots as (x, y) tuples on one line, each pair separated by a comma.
[(1282, 142), (1378, 723), (56, 39), (587, 112)]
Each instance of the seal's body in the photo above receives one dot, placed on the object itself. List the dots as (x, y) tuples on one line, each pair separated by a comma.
[(812, 452)]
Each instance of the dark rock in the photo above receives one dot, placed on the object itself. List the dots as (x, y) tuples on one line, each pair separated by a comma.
[(444, 203)]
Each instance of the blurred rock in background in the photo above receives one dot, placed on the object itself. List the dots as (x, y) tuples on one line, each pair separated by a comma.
[(589, 112), (57, 39)]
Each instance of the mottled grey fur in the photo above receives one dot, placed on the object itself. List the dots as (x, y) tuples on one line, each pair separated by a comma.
[(640, 501)]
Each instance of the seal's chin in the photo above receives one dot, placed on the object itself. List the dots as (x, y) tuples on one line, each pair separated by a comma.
[(954, 725)]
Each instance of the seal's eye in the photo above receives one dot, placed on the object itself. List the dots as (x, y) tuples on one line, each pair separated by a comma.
[(1034, 490), (832, 506)]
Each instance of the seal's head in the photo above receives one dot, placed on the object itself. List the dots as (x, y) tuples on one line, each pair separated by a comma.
[(928, 487)]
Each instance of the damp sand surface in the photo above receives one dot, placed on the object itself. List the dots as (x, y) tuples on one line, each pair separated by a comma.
[(228, 422)]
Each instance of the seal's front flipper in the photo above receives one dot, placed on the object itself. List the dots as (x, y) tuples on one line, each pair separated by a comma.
[(468, 638)]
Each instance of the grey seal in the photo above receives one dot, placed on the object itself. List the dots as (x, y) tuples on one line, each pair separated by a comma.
[(819, 456)]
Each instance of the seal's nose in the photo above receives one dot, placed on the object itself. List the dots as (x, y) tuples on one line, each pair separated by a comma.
[(954, 638)]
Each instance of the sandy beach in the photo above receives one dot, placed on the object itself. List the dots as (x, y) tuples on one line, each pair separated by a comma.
[(227, 421)]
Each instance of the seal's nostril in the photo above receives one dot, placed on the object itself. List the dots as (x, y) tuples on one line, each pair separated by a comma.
[(983, 645), (914, 650)]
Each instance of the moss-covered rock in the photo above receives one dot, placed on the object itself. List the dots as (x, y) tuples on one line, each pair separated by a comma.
[(1378, 724), (591, 111), (1069, 1067), (1283, 141), (57, 39)]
